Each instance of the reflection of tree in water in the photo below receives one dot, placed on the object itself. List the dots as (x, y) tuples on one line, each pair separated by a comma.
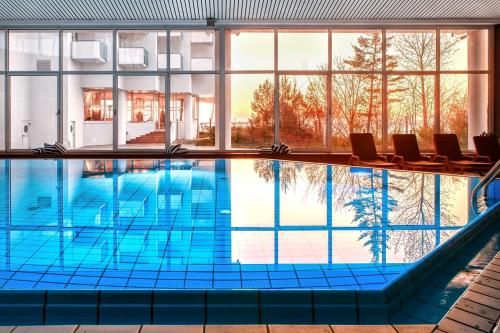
[(288, 172), (410, 201), (368, 204), (417, 206)]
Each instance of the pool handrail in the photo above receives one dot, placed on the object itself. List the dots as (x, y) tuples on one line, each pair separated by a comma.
[(484, 183)]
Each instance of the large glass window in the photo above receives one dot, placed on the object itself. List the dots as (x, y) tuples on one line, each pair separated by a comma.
[(411, 107), (357, 50), (464, 49), (303, 110), (193, 110), (464, 106), (250, 110), (330, 83), (302, 49), (141, 50), (88, 111), (241, 46), (356, 107), (87, 50), (141, 112), (194, 50), (34, 50), (411, 50), (33, 111)]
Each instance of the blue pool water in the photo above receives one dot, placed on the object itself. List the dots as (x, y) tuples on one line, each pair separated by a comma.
[(221, 224)]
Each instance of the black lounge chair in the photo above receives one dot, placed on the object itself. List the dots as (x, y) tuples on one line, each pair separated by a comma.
[(407, 155), (365, 153), (487, 145), (448, 151)]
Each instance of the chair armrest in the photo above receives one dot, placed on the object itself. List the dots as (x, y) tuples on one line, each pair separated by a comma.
[(382, 157), (354, 160), (469, 157), (440, 158), (397, 159), (482, 158), (426, 157)]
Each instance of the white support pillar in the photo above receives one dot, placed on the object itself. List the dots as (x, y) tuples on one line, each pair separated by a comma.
[(477, 51)]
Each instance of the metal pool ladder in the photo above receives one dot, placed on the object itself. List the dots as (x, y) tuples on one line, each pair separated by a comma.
[(484, 183)]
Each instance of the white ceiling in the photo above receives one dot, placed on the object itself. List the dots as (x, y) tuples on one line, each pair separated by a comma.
[(291, 11)]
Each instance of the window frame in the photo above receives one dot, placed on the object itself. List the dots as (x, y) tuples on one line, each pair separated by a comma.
[(221, 71)]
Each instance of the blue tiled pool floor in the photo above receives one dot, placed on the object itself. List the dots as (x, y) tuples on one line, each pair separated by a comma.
[(219, 224)]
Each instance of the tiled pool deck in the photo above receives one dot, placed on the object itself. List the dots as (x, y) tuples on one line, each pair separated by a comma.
[(224, 329), (477, 311)]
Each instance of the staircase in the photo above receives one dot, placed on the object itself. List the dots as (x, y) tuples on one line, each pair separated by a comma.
[(157, 136)]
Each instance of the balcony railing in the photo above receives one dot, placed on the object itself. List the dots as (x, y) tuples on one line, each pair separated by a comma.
[(89, 51), (132, 57)]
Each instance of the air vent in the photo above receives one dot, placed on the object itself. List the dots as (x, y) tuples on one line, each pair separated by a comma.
[(43, 65)]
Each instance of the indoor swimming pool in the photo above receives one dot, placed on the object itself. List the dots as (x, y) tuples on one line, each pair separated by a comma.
[(242, 241), (219, 224)]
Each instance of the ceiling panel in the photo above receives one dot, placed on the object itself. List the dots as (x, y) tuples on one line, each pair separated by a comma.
[(251, 10)]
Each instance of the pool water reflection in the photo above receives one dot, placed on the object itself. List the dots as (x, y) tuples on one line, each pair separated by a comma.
[(224, 224)]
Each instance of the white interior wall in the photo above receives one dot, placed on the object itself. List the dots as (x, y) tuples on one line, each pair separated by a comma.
[(33, 99), (26, 48)]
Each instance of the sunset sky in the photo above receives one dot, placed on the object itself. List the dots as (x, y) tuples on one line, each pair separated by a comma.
[(296, 51)]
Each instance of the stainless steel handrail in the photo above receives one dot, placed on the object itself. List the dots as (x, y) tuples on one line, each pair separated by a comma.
[(484, 183)]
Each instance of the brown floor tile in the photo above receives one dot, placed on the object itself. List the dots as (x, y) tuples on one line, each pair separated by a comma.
[(485, 290), (46, 329), (488, 282), (363, 329), (470, 319), (414, 328), (108, 329), (235, 329), (478, 309), (491, 274), (482, 299), (299, 329), (451, 326), (172, 329), (494, 268)]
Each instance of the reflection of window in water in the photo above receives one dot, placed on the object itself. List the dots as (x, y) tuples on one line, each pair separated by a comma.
[(141, 166), (97, 167)]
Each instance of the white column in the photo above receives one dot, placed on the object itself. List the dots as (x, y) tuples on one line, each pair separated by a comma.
[(188, 117), (477, 50), (122, 117)]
